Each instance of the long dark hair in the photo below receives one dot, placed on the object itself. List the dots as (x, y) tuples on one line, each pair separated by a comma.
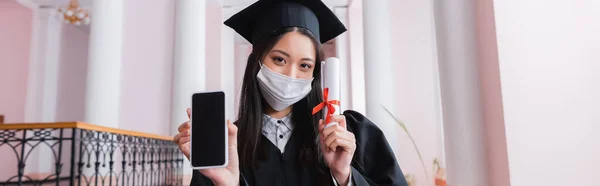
[(252, 106)]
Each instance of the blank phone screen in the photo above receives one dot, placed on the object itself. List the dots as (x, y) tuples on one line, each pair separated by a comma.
[(208, 129)]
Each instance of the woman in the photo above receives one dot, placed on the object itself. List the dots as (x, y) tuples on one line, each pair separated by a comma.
[(280, 141)]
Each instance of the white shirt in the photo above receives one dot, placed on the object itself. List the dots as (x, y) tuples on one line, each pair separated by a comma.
[(279, 131)]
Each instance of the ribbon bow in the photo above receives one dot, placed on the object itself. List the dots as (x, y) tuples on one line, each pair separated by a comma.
[(326, 103)]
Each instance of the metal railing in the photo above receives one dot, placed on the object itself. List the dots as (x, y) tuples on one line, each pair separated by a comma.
[(76, 153)]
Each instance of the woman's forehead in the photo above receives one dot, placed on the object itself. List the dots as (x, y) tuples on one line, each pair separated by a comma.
[(296, 44)]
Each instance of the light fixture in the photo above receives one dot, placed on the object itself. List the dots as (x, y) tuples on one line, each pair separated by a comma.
[(74, 14)]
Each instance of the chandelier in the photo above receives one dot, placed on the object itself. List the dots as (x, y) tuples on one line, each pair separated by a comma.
[(73, 14)]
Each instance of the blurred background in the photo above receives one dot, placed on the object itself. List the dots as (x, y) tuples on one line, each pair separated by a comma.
[(488, 92)]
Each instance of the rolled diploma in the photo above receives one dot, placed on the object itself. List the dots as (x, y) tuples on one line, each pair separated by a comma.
[(331, 80)]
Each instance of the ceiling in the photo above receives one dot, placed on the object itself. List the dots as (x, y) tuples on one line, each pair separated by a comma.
[(54, 3), (225, 3), (236, 4), (244, 3)]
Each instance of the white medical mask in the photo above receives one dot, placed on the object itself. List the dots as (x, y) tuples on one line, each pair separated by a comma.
[(281, 91)]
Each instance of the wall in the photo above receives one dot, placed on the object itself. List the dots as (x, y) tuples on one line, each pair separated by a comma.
[(70, 100), (15, 35), (147, 66), (56, 77), (416, 81), (549, 67), (61, 54)]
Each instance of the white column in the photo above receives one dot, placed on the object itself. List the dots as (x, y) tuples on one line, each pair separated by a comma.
[(42, 86), (102, 101), (34, 79), (379, 84), (43, 69), (227, 62), (242, 51), (189, 60), (104, 63), (356, 56), (342, 46), (189, 63), (464, 141)]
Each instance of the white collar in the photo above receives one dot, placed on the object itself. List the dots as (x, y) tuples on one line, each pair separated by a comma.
[(278, 131)]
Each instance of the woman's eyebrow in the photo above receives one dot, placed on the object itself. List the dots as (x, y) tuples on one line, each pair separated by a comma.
[(308, 59), (282, 52), (288, 55)]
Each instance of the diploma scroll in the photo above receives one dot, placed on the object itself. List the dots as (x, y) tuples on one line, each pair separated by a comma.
[(331, 81)]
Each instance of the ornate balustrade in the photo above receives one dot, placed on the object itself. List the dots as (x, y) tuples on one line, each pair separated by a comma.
[(75, 153)]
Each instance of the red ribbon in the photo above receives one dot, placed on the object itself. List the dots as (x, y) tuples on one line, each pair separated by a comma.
[(326, 103)]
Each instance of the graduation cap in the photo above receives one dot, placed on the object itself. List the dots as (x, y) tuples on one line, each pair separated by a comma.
[(263, 18)]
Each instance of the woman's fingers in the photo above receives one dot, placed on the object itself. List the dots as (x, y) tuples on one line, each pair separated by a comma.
[(335, 134), (183, 131), (330, 129), (233, 153), (341, 119), (184, 140), (326, 131), (338, 135), (346, 145), (189, 113), (176, 138), (232, 134), (184, 127), (345, 135), (321, 126)]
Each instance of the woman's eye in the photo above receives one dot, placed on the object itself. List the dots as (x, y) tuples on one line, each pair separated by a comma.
[(278, 60), (306, 65)]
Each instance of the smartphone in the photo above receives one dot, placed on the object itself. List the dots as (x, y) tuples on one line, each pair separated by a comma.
[(208, 141)]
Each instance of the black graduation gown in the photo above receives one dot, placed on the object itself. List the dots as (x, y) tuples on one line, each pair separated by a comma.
[(373, 163)]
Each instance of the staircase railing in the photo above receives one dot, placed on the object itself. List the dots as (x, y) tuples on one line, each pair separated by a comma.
[(76, 153)]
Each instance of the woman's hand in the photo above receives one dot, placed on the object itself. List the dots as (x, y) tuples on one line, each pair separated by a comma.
[(227, 176), (338, 146), (183, 137)]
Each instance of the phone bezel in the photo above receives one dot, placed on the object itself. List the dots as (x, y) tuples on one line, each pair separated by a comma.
[(225, 134)]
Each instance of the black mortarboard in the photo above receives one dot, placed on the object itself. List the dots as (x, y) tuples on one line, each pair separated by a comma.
[(264, 17)]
